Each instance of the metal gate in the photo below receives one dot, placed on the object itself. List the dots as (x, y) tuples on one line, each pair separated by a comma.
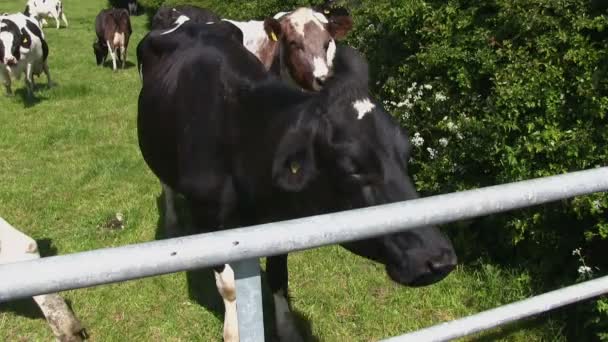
[(243, 246)]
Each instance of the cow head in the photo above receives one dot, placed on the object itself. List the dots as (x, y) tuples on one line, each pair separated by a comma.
[(13, 42), (308, 44), (101, 51), (352, 154)]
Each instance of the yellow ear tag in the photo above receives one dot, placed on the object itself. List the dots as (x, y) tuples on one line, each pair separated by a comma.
[(24, 40), (273, 37), (326, 11), (294, 167)]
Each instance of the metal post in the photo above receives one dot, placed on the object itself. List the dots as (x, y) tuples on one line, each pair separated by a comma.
[(507, 313), (249, 300)]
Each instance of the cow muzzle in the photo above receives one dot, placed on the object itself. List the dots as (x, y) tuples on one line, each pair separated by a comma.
[(10, 61)]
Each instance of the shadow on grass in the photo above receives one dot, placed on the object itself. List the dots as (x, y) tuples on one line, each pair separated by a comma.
[(201, 283), (108, 64), (27, 307), (29, 101)]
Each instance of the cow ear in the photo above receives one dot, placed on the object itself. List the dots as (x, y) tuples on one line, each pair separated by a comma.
[(294, 165), (273, 29), (26, 40), (340, 22)]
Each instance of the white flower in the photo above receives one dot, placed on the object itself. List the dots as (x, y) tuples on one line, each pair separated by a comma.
[(443, 142), (585, 270), (417, 140), (406, 103), (428, 87), (432, 152), (452, 127), (439, 97), (459, 136), (596, 204), (576, 251)]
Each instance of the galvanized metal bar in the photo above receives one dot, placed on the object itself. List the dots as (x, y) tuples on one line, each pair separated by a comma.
[(249, 300), (111, 265), (507, 313)]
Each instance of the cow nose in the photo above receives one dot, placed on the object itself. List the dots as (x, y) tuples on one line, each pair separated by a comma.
[(444, 263)]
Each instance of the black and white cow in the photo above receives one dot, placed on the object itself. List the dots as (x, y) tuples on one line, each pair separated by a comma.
[(299, 45), (245, 148), (23, 50), (166, 16), (113, 29), (133, 7), (41, 9)]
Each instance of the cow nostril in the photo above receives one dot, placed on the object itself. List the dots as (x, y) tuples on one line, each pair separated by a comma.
[(444, 263)]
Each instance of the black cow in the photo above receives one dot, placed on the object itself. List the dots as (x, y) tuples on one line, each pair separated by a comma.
[(245, 148), (166, 16), (113, 29)]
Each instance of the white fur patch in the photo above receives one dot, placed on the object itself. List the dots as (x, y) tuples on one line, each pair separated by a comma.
[(331, 53), (280, 15), (7, 39), (179, 22), (254, 34), (226, 286), (321, 17), (363, 107), (320, 69), (302, 16)]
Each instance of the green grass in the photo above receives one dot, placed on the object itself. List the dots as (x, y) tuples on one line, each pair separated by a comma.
[(71, 160)]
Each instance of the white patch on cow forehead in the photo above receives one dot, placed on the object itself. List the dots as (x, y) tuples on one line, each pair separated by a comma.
[(179, 21), (331, 53), (363, 107), (301, 17)]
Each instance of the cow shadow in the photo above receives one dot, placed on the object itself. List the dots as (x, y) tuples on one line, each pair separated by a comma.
[(31, 101), (203, 290), (108, 64), (26, 307)]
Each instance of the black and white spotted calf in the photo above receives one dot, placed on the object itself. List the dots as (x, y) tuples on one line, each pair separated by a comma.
[(23, 50), (113, 29), (41, 9), (245, 148)]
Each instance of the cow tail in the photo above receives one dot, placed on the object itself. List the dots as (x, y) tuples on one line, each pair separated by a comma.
[(45, 50)]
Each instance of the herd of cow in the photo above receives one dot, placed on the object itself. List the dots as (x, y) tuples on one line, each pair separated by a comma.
[(260, 121)]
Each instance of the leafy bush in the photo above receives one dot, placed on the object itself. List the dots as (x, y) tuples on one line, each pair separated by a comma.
[(494, 91), (501, 91)]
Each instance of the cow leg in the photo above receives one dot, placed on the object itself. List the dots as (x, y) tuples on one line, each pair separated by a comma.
[(113, 55), (57, 22), (7, 85), (276, 269), (226, 286), (123, 53), (65, 20), (45, 68), (29, 80), (170, 222)]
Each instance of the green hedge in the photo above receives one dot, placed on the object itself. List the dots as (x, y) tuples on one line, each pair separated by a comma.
[(495, 91)]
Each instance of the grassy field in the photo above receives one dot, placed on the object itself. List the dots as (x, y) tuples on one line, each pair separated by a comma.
[(70, 160)]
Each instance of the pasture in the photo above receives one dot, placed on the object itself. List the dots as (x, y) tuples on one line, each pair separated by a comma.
[(69, 162)]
